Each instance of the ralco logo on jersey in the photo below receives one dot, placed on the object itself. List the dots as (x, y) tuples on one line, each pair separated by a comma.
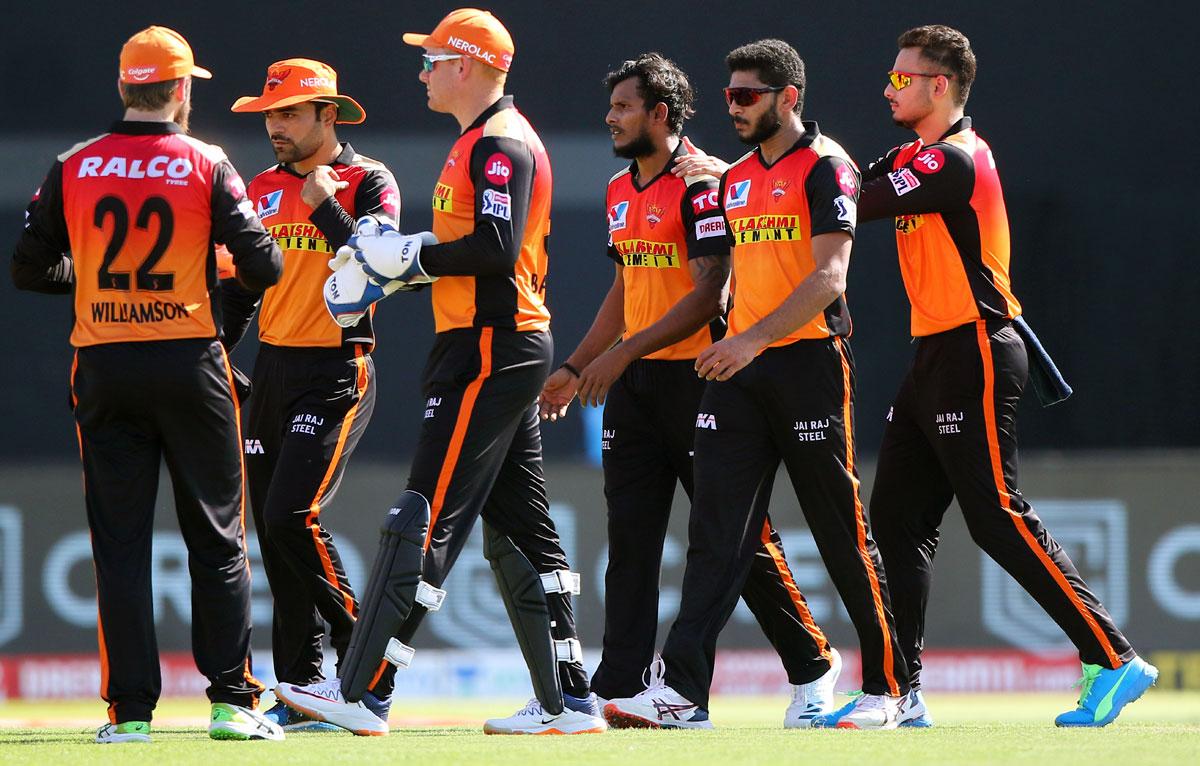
[(156, 167), (764, 228)]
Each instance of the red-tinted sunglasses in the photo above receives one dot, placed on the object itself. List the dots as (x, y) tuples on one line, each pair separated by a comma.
[(749, 96)]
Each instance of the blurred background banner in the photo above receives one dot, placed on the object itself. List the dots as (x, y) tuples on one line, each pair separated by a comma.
[(1083, 107), (1137, 544)]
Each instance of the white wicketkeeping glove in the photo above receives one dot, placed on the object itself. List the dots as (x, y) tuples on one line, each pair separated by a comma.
[(349, 293), (387, 256)]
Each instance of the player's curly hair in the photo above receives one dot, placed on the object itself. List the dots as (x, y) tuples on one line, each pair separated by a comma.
[(947, 49), (660, 81), (777, 64)]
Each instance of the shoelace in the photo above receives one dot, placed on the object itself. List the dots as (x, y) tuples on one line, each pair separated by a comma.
[(658, 674), (532, 707), (1085, 683), (871, 701), (330, 689)]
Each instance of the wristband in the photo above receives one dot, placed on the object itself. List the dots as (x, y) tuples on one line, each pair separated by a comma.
[(570, 368)]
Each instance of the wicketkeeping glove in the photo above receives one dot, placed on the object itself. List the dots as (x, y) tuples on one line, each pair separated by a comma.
[(387, 255), (349, 293)]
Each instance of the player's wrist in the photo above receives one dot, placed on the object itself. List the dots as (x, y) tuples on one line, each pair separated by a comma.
[(571, 369)]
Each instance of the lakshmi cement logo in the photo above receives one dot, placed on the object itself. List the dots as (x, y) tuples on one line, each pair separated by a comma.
[(10, 573), (1094, 534)]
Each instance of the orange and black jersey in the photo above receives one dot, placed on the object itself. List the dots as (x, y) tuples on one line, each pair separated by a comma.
[(293, 311), (491, 216), (772, 212), (129, 219), (654, 229), (951, 228)]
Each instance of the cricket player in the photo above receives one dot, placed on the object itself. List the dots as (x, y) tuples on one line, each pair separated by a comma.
[(951, 431), (666, 305), (127, 222), (479, 453)]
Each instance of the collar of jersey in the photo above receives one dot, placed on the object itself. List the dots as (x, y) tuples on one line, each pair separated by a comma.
[(139, 128), (958, 127), (504, 102), (680, 150), (345, 157)]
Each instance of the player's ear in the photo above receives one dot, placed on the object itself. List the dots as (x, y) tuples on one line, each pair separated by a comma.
[(660, 113)]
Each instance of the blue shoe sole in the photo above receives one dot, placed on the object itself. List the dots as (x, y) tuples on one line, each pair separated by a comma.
[(917, 723), (1129, 692)]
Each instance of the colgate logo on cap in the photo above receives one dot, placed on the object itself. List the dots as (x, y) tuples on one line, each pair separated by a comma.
[(140, 73), (471, 49)]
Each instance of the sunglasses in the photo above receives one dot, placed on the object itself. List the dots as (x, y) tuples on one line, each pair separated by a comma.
[(428, 61), (901, 80), (749, 96)]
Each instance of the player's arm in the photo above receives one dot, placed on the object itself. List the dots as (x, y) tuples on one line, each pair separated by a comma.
[(606, 330), (501, 210), (939, 178), (708, 262), (256, 258), (832, 213), (881, 166), (377, 195), (41, 261)]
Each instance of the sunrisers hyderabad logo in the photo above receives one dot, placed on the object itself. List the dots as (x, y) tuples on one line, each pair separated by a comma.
[(275, 78), (779, 188), (654, 214)]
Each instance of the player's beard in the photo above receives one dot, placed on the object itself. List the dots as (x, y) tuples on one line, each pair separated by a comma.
[(762, 129), (641, 145), (298, 151), (924, 109), (181, 117)]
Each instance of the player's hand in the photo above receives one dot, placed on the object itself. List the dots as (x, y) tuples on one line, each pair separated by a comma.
[(225, 267), (557, 394), (598, 377), (696, 162), (321, 184), (721, 361)]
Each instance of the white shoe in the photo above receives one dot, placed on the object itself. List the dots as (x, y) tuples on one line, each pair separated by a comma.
[(241, 723), (913, 713), (533, 719), (658, 707), (121, 733), (872, 711), (813, 698), (324, 702)]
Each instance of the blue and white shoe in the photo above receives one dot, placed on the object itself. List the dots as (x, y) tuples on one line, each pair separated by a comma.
[(913, 713), (815, 698), (831, 720), (292, 720), (1104, 692), (324, 701)]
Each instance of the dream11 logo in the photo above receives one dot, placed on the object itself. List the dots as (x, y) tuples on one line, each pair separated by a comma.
[(1095, 535)]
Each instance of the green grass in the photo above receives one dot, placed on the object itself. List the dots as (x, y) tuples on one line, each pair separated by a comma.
[(1164, 727)]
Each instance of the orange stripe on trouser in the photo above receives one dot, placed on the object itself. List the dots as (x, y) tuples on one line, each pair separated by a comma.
[(860, 523), (785, 574), (314, 509), (454, 449), (993, 440)]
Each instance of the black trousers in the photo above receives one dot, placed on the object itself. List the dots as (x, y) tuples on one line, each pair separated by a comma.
[(480, 455), (793, 403), (303, 421), (952, 433), (137, 404), (649, 433)]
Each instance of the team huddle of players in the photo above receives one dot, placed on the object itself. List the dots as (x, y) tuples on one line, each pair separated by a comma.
[(720, 350)]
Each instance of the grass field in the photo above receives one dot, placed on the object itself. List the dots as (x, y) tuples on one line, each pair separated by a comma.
[(1163, 727)]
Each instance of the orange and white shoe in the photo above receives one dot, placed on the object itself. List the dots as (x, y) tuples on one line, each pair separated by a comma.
[(323, 701), (579, 716)]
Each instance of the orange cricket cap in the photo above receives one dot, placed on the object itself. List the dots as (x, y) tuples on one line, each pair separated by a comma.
[(294, 81), (473, 32), (158, 54)]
